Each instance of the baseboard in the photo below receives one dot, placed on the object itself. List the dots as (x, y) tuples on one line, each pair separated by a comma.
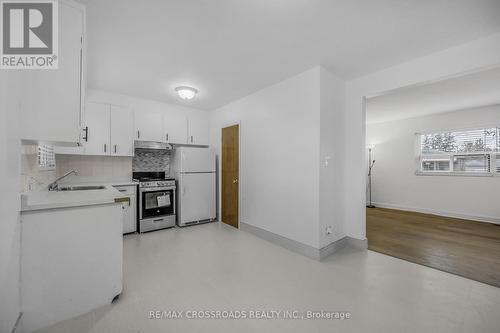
[(360, 244), (333, 247), (287, 243), (486, 219), (301, 248)]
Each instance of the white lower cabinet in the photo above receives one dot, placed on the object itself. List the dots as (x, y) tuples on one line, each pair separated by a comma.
[(71, 259), (130, 209)]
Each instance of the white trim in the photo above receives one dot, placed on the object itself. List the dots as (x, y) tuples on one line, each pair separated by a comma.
[(487, 219), (455, 174), (304, 249)]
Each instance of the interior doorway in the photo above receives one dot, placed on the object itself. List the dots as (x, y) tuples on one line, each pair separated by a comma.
[(230, 175), (437, 152)]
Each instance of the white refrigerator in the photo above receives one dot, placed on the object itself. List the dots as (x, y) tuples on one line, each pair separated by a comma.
[(194, 170)]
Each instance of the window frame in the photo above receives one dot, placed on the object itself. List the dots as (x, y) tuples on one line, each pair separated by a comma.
[(419, 157)]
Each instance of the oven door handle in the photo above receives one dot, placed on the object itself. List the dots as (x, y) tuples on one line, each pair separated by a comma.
[(155, 189)]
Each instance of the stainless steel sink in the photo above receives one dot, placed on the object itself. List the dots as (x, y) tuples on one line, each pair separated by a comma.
[(81, 188)]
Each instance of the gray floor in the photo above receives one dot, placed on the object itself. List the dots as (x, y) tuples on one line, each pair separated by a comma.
[(215, 267)]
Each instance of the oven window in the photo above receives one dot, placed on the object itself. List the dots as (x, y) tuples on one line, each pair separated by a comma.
[(157, 200), (157, 203)]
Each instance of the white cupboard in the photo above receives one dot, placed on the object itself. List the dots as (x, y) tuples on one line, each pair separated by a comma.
[(175, 128), (198, 131), (148, 126), (129, 209), (108, 130), (97, 127), (52, 99), (122, 135), (72, 262)]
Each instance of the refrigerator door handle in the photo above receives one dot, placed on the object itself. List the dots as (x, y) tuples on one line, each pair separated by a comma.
[(183, 190)]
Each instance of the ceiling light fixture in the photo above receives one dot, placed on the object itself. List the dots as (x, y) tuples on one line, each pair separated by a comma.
[(186, 92)]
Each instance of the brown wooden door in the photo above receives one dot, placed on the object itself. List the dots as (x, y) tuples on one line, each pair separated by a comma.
[(230, 173)]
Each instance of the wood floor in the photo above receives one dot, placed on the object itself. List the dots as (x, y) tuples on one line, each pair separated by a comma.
[(467, 248)]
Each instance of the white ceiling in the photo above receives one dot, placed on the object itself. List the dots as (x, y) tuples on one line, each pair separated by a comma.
[(472, 90), (231, 48)]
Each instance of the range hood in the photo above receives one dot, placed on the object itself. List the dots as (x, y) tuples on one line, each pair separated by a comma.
[(152, 145)]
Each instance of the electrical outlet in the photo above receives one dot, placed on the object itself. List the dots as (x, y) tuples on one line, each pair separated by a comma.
[(329, 230)]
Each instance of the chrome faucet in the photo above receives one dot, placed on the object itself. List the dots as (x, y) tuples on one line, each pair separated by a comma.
[(54, 185)]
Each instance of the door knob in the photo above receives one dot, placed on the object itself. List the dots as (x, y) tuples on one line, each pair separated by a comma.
[(235, 181)]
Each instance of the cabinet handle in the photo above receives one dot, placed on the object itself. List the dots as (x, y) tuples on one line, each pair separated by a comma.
[(167, 137), (86, 130), (138, 134), (105, 147), (191, 139), (115, 148)]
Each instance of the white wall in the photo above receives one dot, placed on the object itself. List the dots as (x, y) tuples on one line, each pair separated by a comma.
[(396, 185), (279, 163), (332, 150), (472, 56), (9, 202)]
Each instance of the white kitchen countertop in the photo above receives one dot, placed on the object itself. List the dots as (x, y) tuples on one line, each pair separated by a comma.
[(45, 199), (79, 180)]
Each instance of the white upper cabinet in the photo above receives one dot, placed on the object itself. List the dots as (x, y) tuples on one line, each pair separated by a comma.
[(148, 126), (175, 128), (51, 103), (198, 129), (98, 126), (122, 131), (109, 130)]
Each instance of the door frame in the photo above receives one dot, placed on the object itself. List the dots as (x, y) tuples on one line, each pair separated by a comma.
[(224, 125)]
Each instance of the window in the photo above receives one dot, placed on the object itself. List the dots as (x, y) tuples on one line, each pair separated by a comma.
[(465, 152), (435, 165)]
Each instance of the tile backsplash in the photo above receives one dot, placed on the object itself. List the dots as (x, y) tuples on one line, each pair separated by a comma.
[(95, 166), (151, 160), (88, 166)]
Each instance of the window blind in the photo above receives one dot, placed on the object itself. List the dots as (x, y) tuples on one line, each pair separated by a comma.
[(471, 141), (465, 151)]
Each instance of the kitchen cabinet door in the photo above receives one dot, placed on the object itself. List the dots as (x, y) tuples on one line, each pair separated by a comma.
[(148, 126), (129, 216), (198, 132), (97, 119), (51, 99), (175, 128), (129, 209), (122, 131)]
